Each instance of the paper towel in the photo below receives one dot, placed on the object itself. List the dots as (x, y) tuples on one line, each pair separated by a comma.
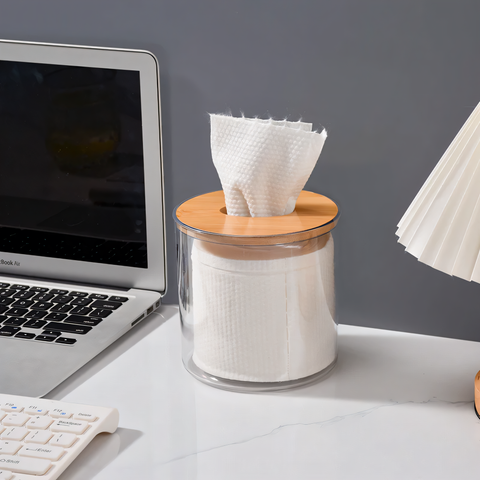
[(263, 320), (263, 165)]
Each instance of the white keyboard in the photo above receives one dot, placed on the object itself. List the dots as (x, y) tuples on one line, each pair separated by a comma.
[(40, 438)]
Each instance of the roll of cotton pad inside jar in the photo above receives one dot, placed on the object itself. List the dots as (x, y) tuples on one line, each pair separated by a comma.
[(260, 318)]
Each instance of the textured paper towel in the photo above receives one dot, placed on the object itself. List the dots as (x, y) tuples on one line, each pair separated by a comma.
[(263, 320), (263, 165)]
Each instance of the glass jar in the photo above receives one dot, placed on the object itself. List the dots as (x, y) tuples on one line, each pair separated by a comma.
[(257, 295)]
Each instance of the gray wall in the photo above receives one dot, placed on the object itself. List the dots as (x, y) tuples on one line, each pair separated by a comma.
[(392, 81)]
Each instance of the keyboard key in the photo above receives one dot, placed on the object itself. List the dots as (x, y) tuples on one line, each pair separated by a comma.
[(3, 318), (35, 410), (97, 296), (100, 313), (39, 436), (43, 297), (118, 299), (66, 340), (22, 304), (56, 291), (8, 331), (24, 294), (79, 294), (14, 433), (81, 301), (107, 305), (39, 289), (35, 323), (15, 321), (56, 316), (6, 300), (25, 335), (60, 413), (3, 308), (41, 306), (9, 448), (39, 422), (7, 293), (62, 299), (62, 327), (11, 407), (77, 319), (51, 333), (61, 308), (20, 287), (88, 417), (4, 475), (4, 285), (76, 427), (44, 338), (16, 312), (31, 466), (64, 440), (36, 314), (81, 311), (15, 420), (48, 453)]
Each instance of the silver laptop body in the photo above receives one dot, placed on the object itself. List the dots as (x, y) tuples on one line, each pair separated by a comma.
[(81, 201)]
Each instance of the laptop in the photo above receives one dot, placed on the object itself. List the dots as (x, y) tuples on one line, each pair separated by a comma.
[(82, 223)]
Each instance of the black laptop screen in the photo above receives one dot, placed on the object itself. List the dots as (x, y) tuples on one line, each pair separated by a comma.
[(71, 164)]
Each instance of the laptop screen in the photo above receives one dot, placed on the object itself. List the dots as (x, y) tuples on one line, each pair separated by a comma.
[(71, 164)]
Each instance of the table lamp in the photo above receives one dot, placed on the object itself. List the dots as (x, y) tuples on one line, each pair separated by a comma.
[(441, 227)]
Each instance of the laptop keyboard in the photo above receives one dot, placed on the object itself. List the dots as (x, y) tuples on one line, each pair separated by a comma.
[(52, 315)]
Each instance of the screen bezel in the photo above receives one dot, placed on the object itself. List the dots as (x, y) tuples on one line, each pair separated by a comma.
[(153, 277)]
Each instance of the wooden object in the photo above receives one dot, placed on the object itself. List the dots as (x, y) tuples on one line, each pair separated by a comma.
[(476, 402), (205, 217)]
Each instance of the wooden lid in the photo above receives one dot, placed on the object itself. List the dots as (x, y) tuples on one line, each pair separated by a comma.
[(205, 217)]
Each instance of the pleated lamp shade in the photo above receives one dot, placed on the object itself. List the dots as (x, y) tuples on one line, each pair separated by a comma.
[(442, 225)]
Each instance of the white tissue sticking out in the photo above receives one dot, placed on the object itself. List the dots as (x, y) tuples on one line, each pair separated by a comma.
[(267, 320), (263, 165)]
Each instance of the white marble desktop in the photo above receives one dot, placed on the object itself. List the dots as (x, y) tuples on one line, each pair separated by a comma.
[(396, 406)]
